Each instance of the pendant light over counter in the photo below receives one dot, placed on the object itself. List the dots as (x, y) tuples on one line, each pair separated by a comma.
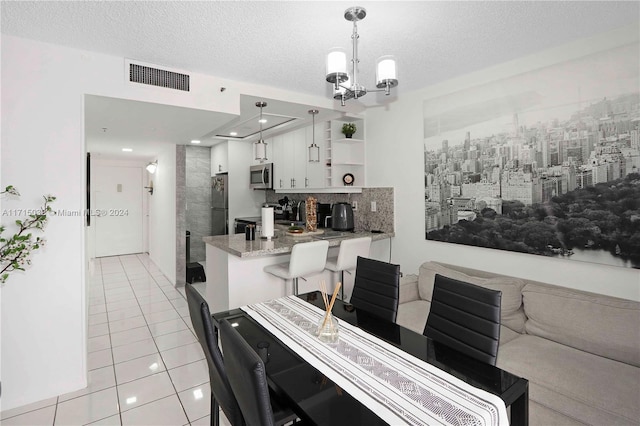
[(260, 147), (314, 150)]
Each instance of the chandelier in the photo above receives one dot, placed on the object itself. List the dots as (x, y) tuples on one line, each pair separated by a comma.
[(260, 145), (345, 85)]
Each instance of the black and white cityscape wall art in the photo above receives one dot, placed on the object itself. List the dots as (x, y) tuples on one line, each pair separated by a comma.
[(546, 162)]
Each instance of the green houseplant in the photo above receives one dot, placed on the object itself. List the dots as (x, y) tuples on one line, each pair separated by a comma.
[(15, 250), (348, 129)]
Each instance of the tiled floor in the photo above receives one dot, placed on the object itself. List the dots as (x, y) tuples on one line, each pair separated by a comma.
[(145, 365)]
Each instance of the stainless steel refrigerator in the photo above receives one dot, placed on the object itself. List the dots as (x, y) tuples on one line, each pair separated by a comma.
[(219, 205)]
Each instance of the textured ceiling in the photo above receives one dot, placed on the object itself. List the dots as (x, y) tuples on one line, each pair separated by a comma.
[(283, 44)]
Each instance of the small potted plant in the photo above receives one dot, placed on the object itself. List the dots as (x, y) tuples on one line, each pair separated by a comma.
[(348, 129)]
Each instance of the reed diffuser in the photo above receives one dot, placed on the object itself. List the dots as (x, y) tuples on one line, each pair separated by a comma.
[(328, 324)]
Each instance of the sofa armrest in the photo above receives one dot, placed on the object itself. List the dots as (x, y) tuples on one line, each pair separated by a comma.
[(409, 288)]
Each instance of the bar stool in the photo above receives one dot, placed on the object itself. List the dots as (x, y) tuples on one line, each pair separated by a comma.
[(348, 256), (306, 259)]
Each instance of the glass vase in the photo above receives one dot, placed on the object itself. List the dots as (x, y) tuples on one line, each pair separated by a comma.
[(328, 330)]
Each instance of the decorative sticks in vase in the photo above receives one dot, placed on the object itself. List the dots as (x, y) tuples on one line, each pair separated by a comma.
[(328, 325)]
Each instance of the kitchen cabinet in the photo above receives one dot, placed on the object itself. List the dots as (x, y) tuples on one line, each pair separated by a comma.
[(292, 170), (338, 156)]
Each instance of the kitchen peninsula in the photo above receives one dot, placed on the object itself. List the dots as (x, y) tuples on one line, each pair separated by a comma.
[(234, 266)]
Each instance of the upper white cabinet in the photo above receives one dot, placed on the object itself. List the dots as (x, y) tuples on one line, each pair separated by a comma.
[(339, 156), (292, 170)]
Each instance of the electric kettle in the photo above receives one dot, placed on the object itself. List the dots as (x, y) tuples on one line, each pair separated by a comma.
[(342, 217)]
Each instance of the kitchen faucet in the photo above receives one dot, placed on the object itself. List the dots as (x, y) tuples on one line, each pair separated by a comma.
[(298, 211)]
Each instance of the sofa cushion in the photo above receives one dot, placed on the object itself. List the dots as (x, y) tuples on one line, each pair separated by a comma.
[(598, 324), (583, 386), (413, 315), (512, 314)]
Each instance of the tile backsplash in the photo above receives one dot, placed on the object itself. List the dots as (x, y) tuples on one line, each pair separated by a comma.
[(364, 219)]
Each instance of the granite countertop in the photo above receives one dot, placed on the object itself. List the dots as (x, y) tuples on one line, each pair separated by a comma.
[(237, 245)]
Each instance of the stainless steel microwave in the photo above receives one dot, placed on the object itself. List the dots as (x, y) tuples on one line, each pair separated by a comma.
[(261, 176)]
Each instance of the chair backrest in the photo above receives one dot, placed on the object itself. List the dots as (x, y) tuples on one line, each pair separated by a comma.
[(465, 317), (208, 338), (376, 288), (247, 376), (308, 258), (349, 252)]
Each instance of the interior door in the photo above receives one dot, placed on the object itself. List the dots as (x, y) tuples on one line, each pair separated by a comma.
[(118, 210)]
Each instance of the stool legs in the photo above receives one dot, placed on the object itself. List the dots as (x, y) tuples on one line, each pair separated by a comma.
[(295, 286)]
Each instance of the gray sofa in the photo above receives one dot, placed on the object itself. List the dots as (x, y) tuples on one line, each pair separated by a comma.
[(580, 351)]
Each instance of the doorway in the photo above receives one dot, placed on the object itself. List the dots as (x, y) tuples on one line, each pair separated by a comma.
[(118, 213)]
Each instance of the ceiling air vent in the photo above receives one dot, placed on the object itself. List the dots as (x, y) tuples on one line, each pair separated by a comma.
[(158, 77)]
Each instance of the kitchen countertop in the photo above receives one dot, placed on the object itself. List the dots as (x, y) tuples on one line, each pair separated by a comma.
[(237, 245)]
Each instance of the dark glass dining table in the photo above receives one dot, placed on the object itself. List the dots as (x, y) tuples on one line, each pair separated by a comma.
[(317, 400)]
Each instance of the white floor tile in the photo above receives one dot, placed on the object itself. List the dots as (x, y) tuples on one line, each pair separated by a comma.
[(99, 359), (127, 324), (124, 313), (113, 278), (110, 421), (123, 304), (98, 330), (166, 411), (166, 327), (196, 401), (190, 375), (118, 290), (130, 336), (179, 303), (173, 340), (163, 316), (29, 407), (142, 391), (134, 350), (120, 297), (96, 300), (88, 408), (98, 343), (182, 355), (43, 416), (97, 309), (98, 379), (149, 308), (147, 299), (138, 368)]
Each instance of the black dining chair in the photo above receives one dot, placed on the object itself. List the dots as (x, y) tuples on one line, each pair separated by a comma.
[(221, 392), (248, 379), (465, 317), (376, 288)]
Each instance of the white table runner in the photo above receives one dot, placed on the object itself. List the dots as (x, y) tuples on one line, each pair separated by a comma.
[(398, 387)]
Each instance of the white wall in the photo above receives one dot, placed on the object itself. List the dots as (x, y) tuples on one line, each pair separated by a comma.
[(44, 309), (43, 151), (395, 158), (162, 214)]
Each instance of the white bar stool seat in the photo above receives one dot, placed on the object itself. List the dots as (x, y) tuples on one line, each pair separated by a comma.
[(348, 257), (306, 259)]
